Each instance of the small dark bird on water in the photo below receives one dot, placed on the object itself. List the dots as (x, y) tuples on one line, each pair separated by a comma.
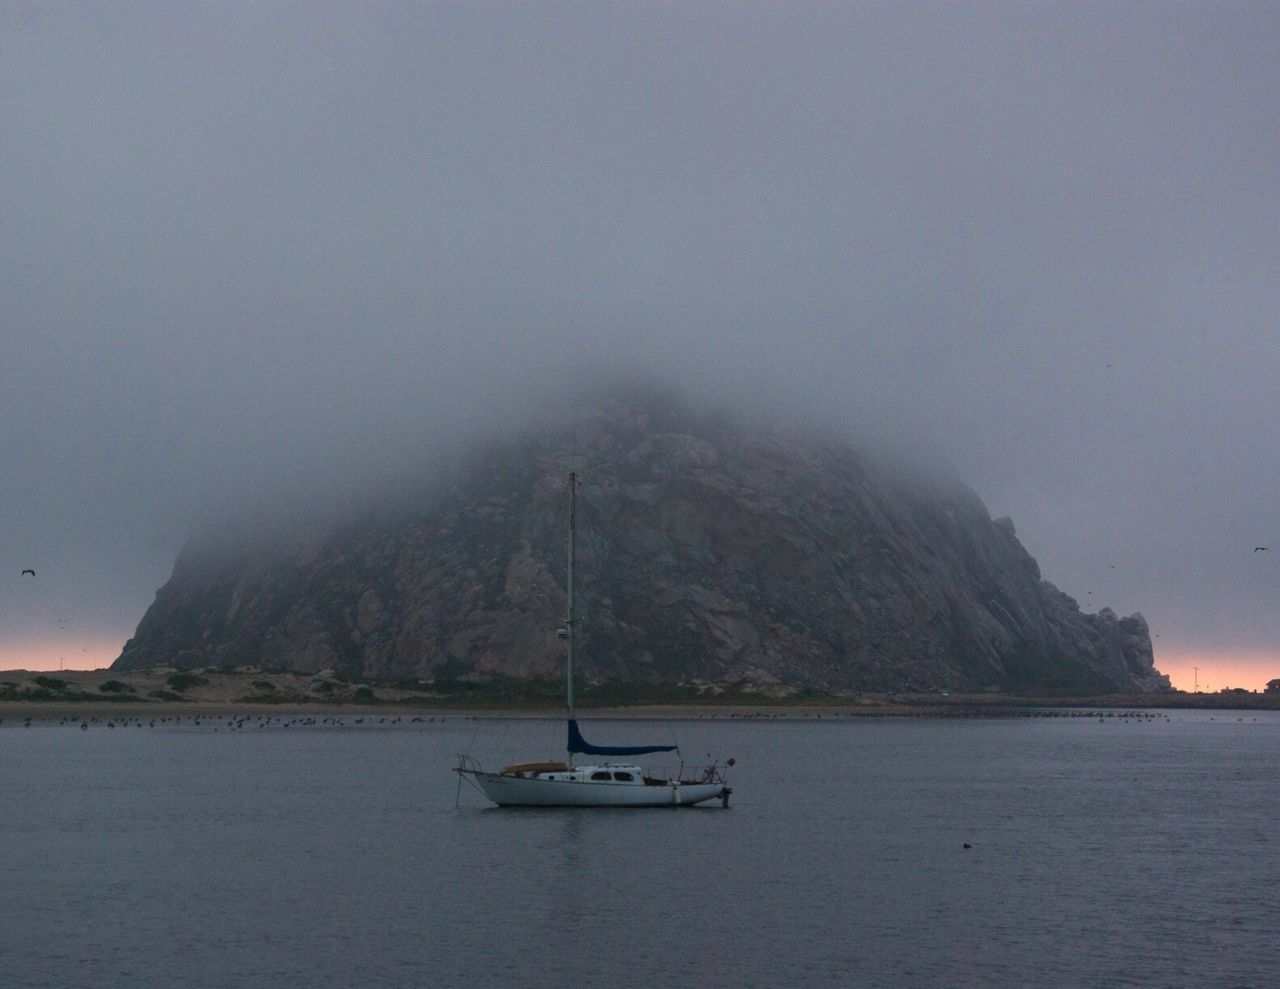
[(1256, 549), (27, 571), (967, 845)]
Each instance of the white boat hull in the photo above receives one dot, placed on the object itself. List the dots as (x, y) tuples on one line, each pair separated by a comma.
[(516, 791)]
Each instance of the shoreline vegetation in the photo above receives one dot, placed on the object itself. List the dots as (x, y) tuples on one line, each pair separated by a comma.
[(210, 692)]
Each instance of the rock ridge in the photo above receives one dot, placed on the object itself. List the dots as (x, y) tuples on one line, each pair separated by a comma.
[(707, 551)]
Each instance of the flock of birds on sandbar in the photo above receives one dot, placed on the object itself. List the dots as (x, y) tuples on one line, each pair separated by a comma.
[(224, 722), (952, 712)]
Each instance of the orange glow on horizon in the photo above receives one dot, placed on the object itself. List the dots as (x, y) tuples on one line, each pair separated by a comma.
[(1218, 670), (64, 654)]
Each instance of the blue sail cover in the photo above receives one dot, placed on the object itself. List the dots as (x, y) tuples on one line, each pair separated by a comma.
[(579, 744)]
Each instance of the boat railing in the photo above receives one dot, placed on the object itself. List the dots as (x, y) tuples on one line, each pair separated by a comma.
[(686, 773)]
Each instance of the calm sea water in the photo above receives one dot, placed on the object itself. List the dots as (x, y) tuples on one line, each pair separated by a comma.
[(1113, 853)]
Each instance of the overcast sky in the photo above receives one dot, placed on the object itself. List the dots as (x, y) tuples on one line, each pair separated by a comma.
[(239, 242)]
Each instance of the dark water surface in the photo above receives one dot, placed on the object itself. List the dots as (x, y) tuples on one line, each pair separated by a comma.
[(1137, 852)]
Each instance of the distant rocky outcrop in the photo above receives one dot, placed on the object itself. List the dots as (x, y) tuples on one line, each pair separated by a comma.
[(707, 551)]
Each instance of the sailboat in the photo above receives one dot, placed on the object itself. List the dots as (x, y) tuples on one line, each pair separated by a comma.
[(603, 784)]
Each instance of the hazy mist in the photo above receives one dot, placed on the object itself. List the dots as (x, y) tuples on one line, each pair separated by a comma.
[(283, 249)]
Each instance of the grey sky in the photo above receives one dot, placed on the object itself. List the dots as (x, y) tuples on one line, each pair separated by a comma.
[(268, 245)]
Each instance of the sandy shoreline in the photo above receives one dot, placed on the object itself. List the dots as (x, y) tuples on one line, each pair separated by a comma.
[(20, 712)]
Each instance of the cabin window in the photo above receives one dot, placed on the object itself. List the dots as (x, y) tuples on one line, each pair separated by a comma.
[(600, 776), (623, 777)]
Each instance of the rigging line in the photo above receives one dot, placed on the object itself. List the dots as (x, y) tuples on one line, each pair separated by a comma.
[(457, 797), (671, 731), (474, 736)]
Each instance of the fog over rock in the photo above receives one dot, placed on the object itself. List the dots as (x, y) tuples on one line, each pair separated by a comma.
[(708, 549)]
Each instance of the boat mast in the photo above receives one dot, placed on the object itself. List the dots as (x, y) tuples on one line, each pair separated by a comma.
[(569, 621)]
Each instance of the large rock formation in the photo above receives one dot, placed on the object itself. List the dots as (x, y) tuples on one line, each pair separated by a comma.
[(705, 551)]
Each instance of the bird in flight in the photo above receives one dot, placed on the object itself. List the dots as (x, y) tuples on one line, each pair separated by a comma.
[(27, 571), (1259, 549)]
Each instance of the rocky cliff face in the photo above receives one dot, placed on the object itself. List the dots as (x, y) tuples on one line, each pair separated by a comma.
[(705, 551)]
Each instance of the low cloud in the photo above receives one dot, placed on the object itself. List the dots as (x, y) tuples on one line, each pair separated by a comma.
[(273, 255)]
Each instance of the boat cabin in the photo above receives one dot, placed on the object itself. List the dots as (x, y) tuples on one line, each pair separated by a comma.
[(558, 771)]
